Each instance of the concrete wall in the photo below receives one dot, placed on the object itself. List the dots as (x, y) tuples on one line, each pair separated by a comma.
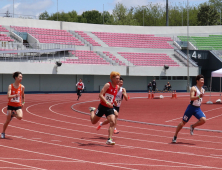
[(67, 83), (41, 83), (68, 69), (173, 30), (78, 69), (32, 41)]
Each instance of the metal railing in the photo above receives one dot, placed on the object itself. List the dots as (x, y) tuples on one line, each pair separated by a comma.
[(185, 57)]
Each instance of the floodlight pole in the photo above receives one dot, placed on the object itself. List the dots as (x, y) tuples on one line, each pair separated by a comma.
[(13, 8), (220, 16), (103, 13), (143, 16), (167, 17), (57, 10), (188, 59)]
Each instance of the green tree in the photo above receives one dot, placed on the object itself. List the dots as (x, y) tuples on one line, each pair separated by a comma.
[(94, 17), (108, 18), (123, 16), (217, 4), (44, 16), (207, 15)]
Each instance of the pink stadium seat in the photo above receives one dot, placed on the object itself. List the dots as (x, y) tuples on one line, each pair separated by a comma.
[(134, 40), (88, 38), (4, 37), (148, 59), (87, 57), (50, 35)]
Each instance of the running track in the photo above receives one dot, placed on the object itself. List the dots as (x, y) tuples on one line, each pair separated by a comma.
[(53, 136)]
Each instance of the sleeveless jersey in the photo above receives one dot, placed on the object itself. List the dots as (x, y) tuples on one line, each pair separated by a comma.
[(119, 97), (16, 101), (80, 86), (197, 102), (110, 95)]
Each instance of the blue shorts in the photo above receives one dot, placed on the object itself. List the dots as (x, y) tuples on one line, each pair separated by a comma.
[(192, 111)]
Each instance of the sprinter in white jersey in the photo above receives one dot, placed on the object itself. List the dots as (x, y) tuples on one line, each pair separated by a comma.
[(193, 109), (119, 97)]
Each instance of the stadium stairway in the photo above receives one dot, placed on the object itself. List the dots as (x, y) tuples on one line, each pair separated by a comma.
[(86, 43), (94, 37)]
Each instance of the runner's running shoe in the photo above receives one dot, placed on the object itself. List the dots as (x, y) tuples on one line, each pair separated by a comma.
[(174, 139), (92, 109), (100, 125), (116, 131), (110, 142), (3, 135)]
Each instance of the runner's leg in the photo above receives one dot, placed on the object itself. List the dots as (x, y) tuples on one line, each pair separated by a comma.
[(8, 118), (112, 125), (19, 114)]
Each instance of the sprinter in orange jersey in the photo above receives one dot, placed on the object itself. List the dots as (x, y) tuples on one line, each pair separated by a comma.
[(16, 100)]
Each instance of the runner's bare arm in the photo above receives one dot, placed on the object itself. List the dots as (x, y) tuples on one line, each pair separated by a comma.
[(192, 93), (9, 93), (124, 94), (23, 95)]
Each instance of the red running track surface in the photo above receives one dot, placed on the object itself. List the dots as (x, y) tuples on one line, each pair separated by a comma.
[(53, 136)]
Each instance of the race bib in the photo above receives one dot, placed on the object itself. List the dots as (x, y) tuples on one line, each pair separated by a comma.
[(15, 99), (79, 87), (109, 97), (118, 102)]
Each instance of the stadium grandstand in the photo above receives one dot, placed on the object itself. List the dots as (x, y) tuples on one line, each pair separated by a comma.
[(91, 52)]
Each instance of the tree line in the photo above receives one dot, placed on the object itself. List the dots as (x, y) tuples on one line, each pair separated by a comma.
[(208, 13)]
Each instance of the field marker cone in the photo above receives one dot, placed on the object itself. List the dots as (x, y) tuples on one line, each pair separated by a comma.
[(152, 95), (173, 95), (149, 95), (128, 97)]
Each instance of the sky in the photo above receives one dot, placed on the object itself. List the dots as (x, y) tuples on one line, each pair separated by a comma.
[(36, 7)]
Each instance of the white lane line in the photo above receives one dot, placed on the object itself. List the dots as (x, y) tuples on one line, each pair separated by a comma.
[(123, 131), (41, 160), (22, 165), (135, 127), (56, 141), (203, 111), (163, 150), (140, 148), (45, 154), (119, 136), (155, 165), (124, 155), (15, 168), (125, 145)]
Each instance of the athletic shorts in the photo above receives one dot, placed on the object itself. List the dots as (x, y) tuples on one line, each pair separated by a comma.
[(104, 110), (14, 108), (79, 92), (192, 111), (116, 108)]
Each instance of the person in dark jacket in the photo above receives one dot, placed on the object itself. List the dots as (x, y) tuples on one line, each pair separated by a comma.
[(149, 87), (154, 85)]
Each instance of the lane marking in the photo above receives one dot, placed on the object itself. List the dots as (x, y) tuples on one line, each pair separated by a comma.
[(22, 165)]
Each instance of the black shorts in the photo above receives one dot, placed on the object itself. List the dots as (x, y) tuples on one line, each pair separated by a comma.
[(79, 92), (104, 110), (116, 108), (14, 108)]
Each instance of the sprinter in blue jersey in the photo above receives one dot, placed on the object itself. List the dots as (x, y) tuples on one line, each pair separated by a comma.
[(193, 109)]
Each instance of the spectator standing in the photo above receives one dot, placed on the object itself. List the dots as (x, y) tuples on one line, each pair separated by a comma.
[(154, 85), (149, 87)]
